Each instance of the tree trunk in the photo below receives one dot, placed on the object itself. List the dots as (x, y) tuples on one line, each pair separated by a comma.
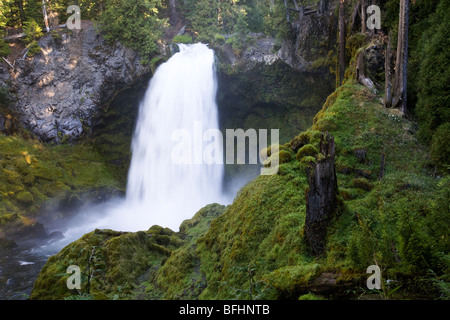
[(399, 92), (173, 12), (298, 10), (287, 10), (363, 16), (405, 56), (321, 201), (44, 13), (341, 42), (387, 74)]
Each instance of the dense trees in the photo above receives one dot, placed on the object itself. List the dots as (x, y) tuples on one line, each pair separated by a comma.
[(433, 83), (135, 23)]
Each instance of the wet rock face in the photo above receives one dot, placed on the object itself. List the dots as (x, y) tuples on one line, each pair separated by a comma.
[(61, 91), (312, 38)]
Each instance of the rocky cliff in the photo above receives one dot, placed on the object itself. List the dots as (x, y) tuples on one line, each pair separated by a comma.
[(62, 90)]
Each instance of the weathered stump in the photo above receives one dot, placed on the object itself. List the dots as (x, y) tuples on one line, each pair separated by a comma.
[(321, 202)]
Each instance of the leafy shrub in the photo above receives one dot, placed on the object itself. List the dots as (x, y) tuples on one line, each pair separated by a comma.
[(219, 39), (32, 30), (33, 48), (182, 38)]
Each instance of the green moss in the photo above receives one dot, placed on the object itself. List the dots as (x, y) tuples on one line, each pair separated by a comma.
[(306, 151), (284, 157), (299, 141), (310, 296), (126, 262), (362, 184), (32, 173), (25, 198)]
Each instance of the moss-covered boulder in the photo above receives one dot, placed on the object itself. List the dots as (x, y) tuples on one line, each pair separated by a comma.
[(126, 265)]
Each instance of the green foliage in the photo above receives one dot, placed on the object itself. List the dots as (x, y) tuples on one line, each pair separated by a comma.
[(4, 48), (135, 24), (284, 156), (219, 39), (433, 80), (32, 30), (185, 38), (238, 17), (275, 23), (440, 148), (33, 48)]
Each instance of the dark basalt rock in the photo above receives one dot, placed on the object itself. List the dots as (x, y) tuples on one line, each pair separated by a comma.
[(7, 244), (64, 89)]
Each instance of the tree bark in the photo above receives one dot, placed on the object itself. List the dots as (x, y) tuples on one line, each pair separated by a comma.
[(287, 11), (321, 201), (173, 12), (405, 56), (341, 42), (363, 16), (399, 92), (387, 74), (298, 10), (44, 13)]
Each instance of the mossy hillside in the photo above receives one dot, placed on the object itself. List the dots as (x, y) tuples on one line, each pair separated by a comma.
[(395, 223), (32, 173), (256, 249), (180, 276)]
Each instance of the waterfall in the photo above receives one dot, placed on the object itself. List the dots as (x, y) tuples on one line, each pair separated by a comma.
[(180, 98)]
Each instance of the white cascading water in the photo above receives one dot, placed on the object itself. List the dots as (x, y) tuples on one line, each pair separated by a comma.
[(181, 95)]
